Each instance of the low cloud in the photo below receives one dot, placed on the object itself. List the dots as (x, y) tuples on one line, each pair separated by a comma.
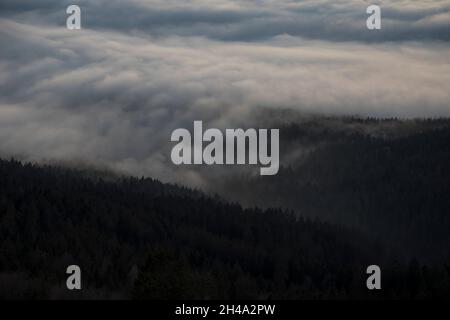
[(112, 92)]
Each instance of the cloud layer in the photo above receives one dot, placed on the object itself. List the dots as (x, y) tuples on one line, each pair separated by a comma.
[(113, 91), (248, 20)]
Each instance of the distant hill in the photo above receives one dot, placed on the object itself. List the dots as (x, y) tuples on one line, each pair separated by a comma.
[(388, 178)]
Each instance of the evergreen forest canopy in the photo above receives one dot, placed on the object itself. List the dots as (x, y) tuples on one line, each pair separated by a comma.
[(356, 199)]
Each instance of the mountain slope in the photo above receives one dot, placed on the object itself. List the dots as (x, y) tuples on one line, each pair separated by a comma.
[(138, 238), (393, 187)]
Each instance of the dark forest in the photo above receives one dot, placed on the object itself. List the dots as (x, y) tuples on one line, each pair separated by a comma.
[(355, 199)]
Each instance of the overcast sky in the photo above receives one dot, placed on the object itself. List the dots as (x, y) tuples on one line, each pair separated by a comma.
[(113, 91)]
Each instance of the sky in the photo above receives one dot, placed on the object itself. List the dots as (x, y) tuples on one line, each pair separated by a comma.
[(112, 92)]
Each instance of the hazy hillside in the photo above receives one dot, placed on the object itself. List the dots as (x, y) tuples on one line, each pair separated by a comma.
[(388, 178), (139, 238)]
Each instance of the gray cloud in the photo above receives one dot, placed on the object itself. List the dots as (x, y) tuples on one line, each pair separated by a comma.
[(108, 95), (249, 20)]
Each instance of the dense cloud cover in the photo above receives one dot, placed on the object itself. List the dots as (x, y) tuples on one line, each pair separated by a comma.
[(249, 20), (113, 91)]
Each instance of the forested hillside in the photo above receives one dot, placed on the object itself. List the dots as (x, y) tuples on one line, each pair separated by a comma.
[(390, 179), (138, 238)]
